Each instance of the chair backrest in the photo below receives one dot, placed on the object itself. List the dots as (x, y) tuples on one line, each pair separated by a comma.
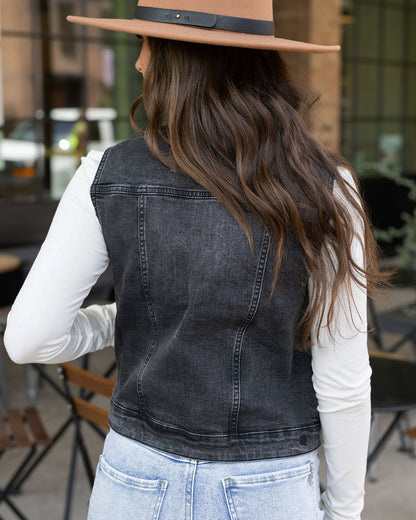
[(95, 384)]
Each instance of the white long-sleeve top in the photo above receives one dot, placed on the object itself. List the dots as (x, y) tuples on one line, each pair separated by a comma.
[(46, 325)]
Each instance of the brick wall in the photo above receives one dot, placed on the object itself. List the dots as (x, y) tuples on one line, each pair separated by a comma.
[(316, 21), (17, 59)]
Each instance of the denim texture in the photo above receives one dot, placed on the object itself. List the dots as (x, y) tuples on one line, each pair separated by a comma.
[(206, 357), (136, 481)]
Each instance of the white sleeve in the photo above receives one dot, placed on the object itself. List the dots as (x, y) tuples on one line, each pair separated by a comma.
[(341, 378), (46, 324)]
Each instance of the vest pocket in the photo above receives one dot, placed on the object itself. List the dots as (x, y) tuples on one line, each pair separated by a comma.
[(118, 496), (288, 494)]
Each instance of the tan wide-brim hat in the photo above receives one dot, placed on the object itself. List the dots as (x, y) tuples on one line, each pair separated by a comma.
[(233, 23)]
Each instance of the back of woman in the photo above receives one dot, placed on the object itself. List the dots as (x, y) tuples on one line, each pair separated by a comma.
[(241, 257)]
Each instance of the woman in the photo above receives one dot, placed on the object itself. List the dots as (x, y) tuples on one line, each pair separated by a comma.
[(239, 247)]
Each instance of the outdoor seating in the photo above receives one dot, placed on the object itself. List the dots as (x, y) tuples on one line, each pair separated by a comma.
[(20, 430), (400, 320), (82, 410), (391, 331), (393, 391)]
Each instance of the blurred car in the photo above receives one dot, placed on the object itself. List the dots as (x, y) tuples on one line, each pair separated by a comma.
[(23, 147)]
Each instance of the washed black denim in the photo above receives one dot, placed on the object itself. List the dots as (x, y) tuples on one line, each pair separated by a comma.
[(206, 358)]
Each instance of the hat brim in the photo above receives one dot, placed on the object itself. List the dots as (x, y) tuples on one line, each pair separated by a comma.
[(196, 34)]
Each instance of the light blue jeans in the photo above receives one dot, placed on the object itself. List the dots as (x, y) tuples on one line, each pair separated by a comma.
[(137, 482)]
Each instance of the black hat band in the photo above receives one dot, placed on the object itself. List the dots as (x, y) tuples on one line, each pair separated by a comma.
[(206, 20)]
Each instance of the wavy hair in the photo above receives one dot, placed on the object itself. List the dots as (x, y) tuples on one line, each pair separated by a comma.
[(235, 121)]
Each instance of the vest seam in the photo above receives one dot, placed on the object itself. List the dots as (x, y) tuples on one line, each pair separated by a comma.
[(239, 339), (148, 298)]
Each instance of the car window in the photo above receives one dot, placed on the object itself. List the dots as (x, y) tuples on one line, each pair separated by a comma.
[(25, 131), (61, 130)]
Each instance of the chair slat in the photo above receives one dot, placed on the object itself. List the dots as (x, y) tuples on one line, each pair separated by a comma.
[(91, 412), (18, 429), (386, 355), (93, 382), (36, 426), (5, 442), (411, 433)]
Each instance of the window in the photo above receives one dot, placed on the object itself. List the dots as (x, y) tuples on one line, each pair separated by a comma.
[(379, 85), (60, 80)]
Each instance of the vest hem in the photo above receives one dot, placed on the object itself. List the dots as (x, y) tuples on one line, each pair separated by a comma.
[(234, 447)]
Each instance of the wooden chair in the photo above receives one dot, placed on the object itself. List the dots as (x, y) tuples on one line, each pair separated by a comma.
[(411, 432), (83, 410), (20, 430)]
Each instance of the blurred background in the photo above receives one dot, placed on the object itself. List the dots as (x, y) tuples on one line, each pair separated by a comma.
[(67, 89)]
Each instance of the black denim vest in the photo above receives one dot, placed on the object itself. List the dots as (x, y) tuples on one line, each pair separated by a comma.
[(206, 362)]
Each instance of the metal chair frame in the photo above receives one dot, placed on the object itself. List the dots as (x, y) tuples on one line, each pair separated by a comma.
[(396, 321), (391, 394), (82, 410)]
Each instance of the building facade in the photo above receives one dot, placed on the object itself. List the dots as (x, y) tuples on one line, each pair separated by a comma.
[(367, 108)]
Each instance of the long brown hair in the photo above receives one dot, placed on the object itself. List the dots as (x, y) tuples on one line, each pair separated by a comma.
[(234, 121)]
